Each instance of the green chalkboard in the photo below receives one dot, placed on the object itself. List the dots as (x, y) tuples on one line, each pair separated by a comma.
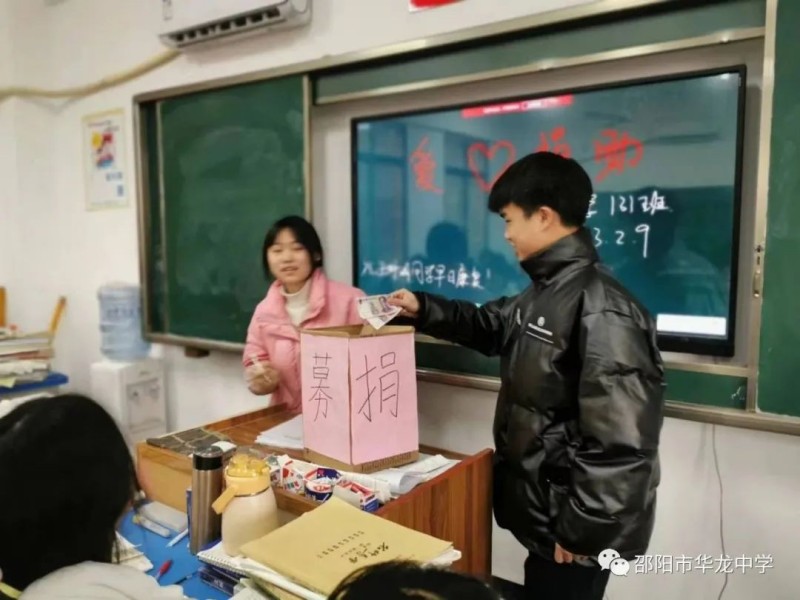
[(780, 330), (222, 165)]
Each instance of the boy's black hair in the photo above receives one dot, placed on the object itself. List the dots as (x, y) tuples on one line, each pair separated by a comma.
[(400, 580), (545, 179), (304, 233), (67, 478)]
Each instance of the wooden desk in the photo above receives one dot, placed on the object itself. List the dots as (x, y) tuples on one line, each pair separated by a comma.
[(455, 506)]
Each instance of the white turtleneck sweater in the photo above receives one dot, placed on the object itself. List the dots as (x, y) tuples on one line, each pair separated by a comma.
[(297, 303)]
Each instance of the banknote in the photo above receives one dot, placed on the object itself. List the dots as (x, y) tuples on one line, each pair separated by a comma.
[(376, 310)]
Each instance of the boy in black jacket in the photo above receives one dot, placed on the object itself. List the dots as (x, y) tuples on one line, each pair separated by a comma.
[(579, 412)]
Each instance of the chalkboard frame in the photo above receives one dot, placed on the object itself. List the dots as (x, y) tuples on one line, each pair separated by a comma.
[(148, 180), (713, 347)]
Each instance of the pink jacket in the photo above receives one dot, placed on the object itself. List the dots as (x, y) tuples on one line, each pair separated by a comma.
[(272, 337)]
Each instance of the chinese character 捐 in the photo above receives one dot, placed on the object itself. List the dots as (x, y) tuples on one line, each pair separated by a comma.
[(389, 383)]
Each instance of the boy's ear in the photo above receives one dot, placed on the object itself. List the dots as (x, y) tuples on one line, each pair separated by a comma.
[(548, 215)]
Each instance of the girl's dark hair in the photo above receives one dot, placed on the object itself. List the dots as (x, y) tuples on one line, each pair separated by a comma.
[(400, 580), (304, 233), (66, 477)]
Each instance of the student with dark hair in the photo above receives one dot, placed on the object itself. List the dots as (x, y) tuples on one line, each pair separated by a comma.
[(398, 580), (579, 412), (67, 479), (301, 296)]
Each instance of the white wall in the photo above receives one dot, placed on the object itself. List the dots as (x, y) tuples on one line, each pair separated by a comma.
[(8, 160), (759, 472), (59, 248), (30, 251)]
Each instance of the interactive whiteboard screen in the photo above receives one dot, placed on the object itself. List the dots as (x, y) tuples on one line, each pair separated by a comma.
[(664, 156)]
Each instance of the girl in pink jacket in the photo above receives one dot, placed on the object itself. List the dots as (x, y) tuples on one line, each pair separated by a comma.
[(300, 297)]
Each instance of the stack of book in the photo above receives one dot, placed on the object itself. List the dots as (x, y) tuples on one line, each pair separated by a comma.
[(24, 359), (308, 557)]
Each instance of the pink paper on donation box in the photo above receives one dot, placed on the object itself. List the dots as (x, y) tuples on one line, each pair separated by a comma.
[(360, 395), (325, 389)]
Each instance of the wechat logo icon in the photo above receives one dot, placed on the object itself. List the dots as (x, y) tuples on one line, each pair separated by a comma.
[(609, 559)]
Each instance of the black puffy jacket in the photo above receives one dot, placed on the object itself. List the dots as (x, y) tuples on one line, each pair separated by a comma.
[(579, 412)]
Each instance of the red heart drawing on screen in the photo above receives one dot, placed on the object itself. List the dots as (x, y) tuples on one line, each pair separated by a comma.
[(489, 152)]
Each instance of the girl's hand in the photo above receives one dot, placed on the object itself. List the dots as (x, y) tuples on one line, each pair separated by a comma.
[(262, 378)]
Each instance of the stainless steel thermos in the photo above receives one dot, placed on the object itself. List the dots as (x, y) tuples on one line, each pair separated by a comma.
[(207, 477)]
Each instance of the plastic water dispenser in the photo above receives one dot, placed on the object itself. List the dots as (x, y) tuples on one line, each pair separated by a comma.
[(134, 394)]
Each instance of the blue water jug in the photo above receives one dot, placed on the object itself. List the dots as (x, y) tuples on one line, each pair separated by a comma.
[(121, 323)]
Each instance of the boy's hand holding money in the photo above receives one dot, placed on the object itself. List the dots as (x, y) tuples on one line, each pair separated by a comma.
[(406, 301)]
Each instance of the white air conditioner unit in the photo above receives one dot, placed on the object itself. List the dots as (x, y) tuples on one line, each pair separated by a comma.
[(190, 22)]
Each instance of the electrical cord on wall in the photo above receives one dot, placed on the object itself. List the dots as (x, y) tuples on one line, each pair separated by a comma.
[(92, 88), (721, 520)]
